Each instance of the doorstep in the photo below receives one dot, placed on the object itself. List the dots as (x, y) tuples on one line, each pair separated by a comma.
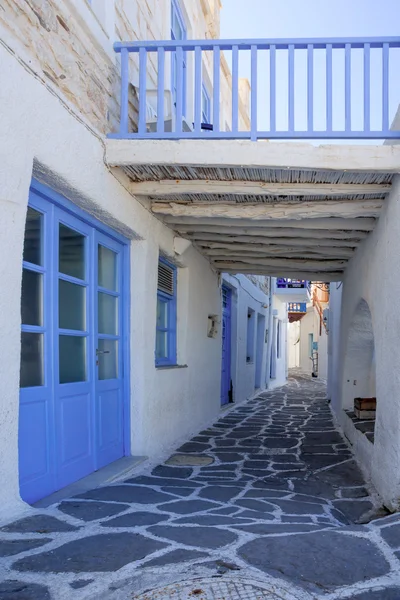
[(365, 426), (109, 474)]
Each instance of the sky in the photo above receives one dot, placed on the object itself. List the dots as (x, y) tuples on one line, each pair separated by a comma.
[(309, 18), (262, 19)]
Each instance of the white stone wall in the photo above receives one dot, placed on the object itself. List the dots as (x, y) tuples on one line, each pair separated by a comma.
[(310, 324), (68, 44), (323, 355), (307, 326), (40, 137), (294, 345), (335, 305), (279, 314), (372, 276), (246, 295)]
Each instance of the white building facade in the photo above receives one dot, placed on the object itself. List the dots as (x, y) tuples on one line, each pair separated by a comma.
[(308, 332), (113, 322), (133, 193), (364, 352)]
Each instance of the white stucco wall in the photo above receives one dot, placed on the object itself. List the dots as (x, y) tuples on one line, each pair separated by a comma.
[(372, 276), (294, 345), (279, 311), (335, 306), (323, 355), (40, 137), (246, 295), (310, 324), (306, 328)]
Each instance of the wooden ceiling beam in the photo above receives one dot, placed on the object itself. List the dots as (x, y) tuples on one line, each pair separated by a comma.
[(301, 264), (353, 224), (275, 244), (204, 232), (282, 252), (266, 211), (168, 187), (277, 237)]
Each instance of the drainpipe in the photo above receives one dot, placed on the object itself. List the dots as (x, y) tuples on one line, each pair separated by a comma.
[(269, 346)]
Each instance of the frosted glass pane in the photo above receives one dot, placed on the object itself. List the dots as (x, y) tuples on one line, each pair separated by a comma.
[(162, 314), (71, 252), (108, 314), (72, 358), (107, 264), (31, 298), (33, 237), (108, 359), (31, 372), (161, 345), (71, 305)]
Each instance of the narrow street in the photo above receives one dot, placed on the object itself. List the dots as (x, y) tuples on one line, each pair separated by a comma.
[(274, 514)]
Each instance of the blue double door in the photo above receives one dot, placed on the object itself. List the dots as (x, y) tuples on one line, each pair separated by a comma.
[(72, 373), (226, 346)]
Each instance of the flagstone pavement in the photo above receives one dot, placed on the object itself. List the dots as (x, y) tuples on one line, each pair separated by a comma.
[(276, 515)]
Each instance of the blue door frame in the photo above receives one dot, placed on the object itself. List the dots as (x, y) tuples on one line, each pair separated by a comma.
[(226, 345), (70, 428)]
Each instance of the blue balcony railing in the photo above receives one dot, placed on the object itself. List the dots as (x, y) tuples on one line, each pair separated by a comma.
[(290, 284), (297, 307), (300, 89)]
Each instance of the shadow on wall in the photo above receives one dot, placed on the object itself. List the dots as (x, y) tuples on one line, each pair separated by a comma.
[(359, 380)]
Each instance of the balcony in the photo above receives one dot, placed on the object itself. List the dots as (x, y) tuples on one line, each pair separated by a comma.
[(292, 291), (296, 310), (300, 88), (201, 163)]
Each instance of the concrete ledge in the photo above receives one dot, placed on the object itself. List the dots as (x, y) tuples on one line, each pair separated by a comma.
[(167, 367), (108, 474), (244, 153)]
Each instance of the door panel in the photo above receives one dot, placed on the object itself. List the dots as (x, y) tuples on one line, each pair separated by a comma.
[(36, 415), (74, 416), (71, 400), (109, 363), (34, 425), (110, 420), (226, 345), (74, 403)]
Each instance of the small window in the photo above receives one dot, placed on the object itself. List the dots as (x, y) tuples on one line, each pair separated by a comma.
[(166, 314), (205, 105), (250, 335), (310, 344)]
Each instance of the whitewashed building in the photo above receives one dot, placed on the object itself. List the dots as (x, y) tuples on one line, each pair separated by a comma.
[(113, 320), (136, 183), (308, 332)]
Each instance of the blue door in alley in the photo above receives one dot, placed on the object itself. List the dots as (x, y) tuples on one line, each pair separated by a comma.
[(226, 346), (72, 385)]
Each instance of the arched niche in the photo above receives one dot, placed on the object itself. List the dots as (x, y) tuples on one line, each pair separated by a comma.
[(359, 380)]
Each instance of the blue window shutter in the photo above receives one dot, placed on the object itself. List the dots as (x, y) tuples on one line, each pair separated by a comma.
[(165, 351)]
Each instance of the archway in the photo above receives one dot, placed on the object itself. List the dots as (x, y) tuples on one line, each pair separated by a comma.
[(359, 379)]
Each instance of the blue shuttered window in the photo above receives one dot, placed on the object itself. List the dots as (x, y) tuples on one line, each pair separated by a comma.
[(166, 314)]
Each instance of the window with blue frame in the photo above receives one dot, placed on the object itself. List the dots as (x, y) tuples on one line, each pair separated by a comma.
[(178, 32), (310, 344), (205, 105), (166, 314)]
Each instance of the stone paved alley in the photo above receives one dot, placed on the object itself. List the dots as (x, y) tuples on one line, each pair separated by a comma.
[(273, 516)]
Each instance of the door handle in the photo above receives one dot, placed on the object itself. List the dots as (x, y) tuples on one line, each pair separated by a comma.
[(102, 352)]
